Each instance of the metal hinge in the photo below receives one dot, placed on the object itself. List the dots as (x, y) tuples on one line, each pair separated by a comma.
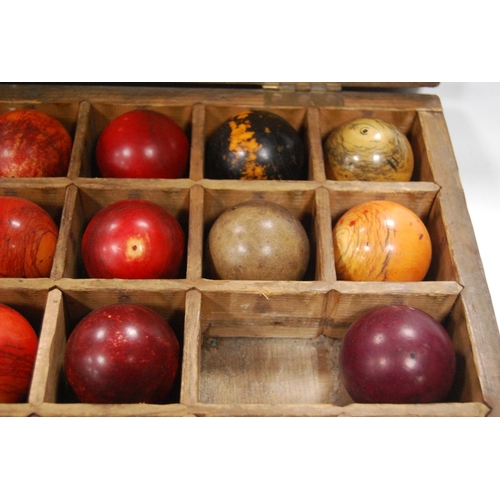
[(302, 94), (303, 86)]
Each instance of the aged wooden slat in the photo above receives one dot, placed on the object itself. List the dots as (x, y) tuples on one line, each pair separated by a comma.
[(28, 296), (81, 296), (172, 194), (81, 142), (347, 301), (195, 238), (443, 266), (65, 254), (47, 193), (352, 410), (316, 165), (197, 150), (466, 386), (109, 410), (50, 356), (478, 307), (192, 346), (417, 196), (17, 410), (253, 309), (295, 196), (325, 261), (391, 101)]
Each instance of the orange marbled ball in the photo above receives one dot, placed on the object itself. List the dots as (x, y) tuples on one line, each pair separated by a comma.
[(381, 241)]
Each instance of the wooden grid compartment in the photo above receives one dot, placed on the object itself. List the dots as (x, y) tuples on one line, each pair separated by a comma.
[(67, 305), (95, 116), (88, 197), (261, 347), (69, 113), (406, 120), (296, 117), (49, 196), (218, 196)]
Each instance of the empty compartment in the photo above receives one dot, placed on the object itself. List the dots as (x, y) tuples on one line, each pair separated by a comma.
[(259, 346)]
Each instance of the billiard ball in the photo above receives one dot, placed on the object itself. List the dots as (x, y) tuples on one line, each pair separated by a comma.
[(142, 144), (397, 354), (33, 144), (28, 239), (257, 240), (122, 353), (381, 240), (256, 145), (368, 149)]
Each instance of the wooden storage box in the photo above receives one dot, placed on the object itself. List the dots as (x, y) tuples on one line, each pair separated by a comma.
[(255, 348)]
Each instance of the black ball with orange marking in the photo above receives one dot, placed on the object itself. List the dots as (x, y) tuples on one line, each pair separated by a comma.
[(256, 145)]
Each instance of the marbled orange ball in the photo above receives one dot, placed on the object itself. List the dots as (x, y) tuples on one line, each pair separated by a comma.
[(368, 149), (381, 241)]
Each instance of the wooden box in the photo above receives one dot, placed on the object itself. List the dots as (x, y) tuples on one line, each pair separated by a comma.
[(255, 348)]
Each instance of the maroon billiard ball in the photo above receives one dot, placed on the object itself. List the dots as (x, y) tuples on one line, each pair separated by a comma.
[(122, 353), (397, 354)]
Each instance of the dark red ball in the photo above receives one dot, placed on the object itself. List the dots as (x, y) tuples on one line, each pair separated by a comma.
[(142, 144), (256, 145), (122, 353), (397, 354)]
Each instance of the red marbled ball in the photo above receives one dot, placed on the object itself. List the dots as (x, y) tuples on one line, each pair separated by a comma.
[(33, 144)]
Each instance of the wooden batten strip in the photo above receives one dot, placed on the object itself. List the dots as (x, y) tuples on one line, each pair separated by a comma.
[(197, 150), (352, 410), (316, 167), (192, 345), (50, 356), (110, 410), (80, 140), (195, 237), (349, 300), (17, 410), (325, 260), (417, 196), (65, 252)]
